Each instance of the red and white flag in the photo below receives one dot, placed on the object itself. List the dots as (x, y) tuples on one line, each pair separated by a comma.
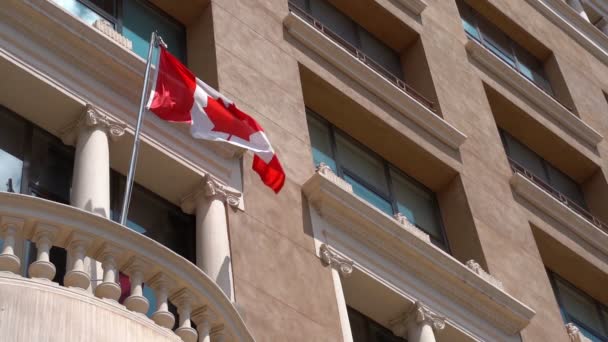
[(181, 97)]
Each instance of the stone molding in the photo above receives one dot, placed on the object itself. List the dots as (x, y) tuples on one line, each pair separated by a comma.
[(330, 258), (85, 233), (549, 106), (358, 228), (91, 117), (587, 35), (477, 269), (419, 314), (106, 28), (210, 187), (559, 211), (575, 334), (374, 82)]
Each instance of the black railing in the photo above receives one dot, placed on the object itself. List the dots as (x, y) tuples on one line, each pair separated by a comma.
[(517, 168), (569, 109), (355, 52)]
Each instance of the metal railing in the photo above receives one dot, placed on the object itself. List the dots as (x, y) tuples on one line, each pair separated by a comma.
[(517, 168), (355, 52), (569, 109)]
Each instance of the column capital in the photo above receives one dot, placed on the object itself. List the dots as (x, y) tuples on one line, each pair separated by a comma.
[(91, 117), (330, 258), (11, 223), (210, 187), (419, 314), (477, 269)]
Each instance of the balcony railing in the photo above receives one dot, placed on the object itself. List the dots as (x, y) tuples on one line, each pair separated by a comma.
[(174, 279), (355, 52), (517, 168), (569, 109)]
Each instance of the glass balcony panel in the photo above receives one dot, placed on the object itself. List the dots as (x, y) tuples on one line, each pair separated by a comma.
[(417, 204), (321, 143), (370, 196), (580, 307), (79, 10), (12, 132), (361, 163)]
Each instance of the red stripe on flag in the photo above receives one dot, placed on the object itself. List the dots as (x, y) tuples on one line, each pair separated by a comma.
[(272, 174), (174, 92)]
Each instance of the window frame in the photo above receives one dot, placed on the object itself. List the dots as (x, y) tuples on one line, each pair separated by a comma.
[(554, 278), (341, 171)]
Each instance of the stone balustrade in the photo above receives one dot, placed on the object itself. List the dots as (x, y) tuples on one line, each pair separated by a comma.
[(147, 263)]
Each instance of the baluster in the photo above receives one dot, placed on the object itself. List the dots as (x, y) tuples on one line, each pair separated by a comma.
[(109, 287), (77, 276), (203, 318), (183, 299), (136, 301), (9, 228), (162, 316), (43, 267)]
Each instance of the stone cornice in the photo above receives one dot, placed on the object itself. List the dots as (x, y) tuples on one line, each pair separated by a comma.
[(581, 31), (416, 6), (419, 314), (211, 188), (549, 106), (383, 234), (477, 269), (559, 211), (91, 117), (330, 258), (374, 82)]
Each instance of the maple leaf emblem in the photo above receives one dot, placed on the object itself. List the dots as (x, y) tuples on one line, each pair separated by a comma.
[(229, 120)]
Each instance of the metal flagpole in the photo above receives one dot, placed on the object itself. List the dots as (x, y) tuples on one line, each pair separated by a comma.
[(154, 41)]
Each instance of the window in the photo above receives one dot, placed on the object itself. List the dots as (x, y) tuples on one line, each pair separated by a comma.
[(589, 315), (353, 34), (542, 169), (364, 329), (499, 43), (374, 179), (134, 19)]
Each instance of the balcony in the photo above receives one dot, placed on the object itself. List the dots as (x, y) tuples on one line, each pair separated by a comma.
[(398, 255), (371, 75), (571, 22), (550, 106), (559, 207), (74, 312)]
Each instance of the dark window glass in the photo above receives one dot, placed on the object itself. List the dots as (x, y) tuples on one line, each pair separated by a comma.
[(374, 179), (542, 169), (488, 34), (12, 136), (364, 329), (581, 309), (354, 34)]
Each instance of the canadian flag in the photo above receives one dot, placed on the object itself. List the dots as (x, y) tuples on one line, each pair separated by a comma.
[(181, 97)]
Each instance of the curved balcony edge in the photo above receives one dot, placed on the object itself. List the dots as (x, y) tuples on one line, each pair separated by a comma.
[(120, 249)]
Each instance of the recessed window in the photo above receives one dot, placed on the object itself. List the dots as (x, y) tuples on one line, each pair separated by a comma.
[(489, 35), (134, 19), (364, 329), (589, 315), (522, 156), (374, 179)]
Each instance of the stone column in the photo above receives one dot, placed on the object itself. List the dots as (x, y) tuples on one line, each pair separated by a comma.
[(577, 6), (340, 267), (418, 325), (212, 242), (91, 176)]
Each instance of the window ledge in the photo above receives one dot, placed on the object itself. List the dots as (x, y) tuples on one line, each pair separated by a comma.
[(333, 199), (529, 90), (372, 81), (557, 210), (416, 6), (558, 12)]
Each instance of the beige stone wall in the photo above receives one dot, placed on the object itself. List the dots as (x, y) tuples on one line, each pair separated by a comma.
[(281, 287)]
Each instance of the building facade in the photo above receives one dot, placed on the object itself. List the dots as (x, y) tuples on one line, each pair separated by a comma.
[(446, 171)]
